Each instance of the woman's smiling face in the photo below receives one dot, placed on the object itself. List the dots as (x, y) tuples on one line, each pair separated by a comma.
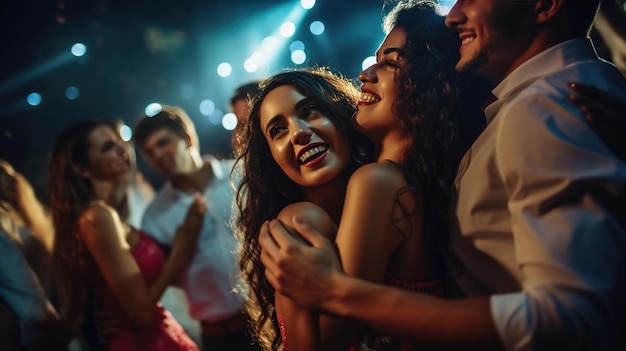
[(379, 91), (305, 142)]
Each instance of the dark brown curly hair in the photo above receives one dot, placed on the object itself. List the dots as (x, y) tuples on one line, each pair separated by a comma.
[(428, 108), (265, 190)]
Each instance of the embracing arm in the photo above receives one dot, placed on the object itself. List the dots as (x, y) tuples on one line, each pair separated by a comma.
[(365, 240), (312, 276)]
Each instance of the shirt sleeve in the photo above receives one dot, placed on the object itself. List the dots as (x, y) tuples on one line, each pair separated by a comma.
[(566, 202), (20, 288)]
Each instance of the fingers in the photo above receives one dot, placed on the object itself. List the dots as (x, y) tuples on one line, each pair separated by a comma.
[(605, 113), (270, 254), (598, 105), (269, 248), (199, 203), (196, 212), (280, 235), (596, 95), (266, 241)]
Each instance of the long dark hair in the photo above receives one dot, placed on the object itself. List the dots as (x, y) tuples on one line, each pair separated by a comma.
[(428, 108), (70, 194), (265, 189)]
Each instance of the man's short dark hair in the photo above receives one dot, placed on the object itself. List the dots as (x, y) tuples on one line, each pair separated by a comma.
[(245, 91), (170, 117)]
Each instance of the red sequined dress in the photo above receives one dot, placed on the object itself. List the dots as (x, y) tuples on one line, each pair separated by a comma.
[(372, 340), (166, 334)]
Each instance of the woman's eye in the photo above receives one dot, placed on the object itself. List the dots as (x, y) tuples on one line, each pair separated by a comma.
[(309, 111), (107, 146), (275, 130), (391, 63)]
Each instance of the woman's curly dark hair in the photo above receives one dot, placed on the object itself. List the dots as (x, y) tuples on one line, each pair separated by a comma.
[(265, 190), (428, 108)]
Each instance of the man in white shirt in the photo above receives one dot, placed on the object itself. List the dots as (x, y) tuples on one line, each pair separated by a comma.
[(539, 230), (169, 142)]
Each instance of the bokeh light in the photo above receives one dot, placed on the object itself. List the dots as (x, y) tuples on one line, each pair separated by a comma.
[(72, 93), (207, 107), (79, 49), (368, 62), (229, 121), (287, 29), (153, 109), (33, 99), (317, 27), (224, 69), (298, 57), (126, 132), (296, 45), (307, 4)]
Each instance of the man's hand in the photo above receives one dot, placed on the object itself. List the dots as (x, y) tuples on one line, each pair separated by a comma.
[(605, 114), (304, 273)]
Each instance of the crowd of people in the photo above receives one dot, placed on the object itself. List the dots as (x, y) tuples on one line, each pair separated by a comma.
[(468, 194)]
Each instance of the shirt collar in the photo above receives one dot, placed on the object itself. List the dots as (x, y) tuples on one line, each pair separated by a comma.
[(541, 65)]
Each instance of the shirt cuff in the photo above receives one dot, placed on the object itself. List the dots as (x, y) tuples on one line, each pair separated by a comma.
[(509, 314)]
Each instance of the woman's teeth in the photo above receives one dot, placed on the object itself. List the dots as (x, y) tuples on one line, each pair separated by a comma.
[(312, 153), (368, 97)]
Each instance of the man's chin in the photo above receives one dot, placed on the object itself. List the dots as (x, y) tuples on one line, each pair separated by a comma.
[(466, 66)]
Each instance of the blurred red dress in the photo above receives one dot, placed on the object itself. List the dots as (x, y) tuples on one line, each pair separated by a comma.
[(166, 334)]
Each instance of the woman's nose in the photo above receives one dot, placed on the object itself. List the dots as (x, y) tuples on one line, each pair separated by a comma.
[(455, 16), (301, 133), (368, 74)]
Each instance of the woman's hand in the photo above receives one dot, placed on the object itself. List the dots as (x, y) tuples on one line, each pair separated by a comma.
[(605, 114), (185, 242)]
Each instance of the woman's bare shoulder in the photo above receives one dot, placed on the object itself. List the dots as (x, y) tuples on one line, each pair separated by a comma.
[(384, 176), (98, 212)]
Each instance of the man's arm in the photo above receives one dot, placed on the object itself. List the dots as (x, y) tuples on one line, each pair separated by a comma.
[(563, 187), (312, 276)]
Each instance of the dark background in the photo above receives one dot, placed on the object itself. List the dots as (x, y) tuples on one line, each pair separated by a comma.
[(140, 51)]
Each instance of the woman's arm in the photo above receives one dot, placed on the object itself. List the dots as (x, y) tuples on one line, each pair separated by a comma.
[(105, 237), (365, 245), (300, 326), (312, 276), (17, 191)]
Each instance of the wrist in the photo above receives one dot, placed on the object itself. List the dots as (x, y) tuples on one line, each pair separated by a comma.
[(341, 294)]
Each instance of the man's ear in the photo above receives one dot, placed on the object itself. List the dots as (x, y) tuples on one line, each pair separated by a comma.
[(545, 10)]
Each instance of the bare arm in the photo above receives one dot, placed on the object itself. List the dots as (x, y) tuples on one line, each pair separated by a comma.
[(17, 191), (105, 237), (312, 276), (365, 245), (300, 327)]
